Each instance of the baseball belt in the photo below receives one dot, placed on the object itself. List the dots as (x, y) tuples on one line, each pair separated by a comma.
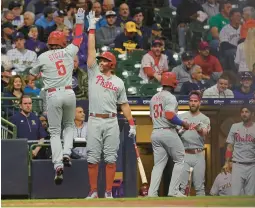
[(244, 163), (108, 115), (193, 151), (55, 89)]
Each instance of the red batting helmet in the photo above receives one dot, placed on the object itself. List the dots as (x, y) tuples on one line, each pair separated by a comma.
[(57, 38), (169, 79), (110, 57)]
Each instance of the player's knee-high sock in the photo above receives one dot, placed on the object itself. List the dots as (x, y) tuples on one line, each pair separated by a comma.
[(110, 173), (93, 173)]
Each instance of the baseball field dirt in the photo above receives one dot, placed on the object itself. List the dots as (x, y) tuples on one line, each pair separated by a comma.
[(207, 201)]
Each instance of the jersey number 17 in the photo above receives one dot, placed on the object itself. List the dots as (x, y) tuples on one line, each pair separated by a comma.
[(61, 68), (158, 110)]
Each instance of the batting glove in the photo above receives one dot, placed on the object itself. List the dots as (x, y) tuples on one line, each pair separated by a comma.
[(92, 20), (79, 17), (132, 131)]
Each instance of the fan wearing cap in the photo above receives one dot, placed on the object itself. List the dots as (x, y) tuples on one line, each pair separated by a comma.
[(183, 71), (46, 20), (106, 35), (154, 63), (247, 88), (210, 64), (6, 39), (15, 7), (129, 40), (97, 8), (21, 57)]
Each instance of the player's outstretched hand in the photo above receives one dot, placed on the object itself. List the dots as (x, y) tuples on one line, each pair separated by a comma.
[(185, 125), (92, 20), (79, 17), (132, 131)]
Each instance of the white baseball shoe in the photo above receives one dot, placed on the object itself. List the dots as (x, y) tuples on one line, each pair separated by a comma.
[(92, 195), (178, 194), (108, 195)]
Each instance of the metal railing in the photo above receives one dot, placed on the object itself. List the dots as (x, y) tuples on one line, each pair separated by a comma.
[(8, 129)]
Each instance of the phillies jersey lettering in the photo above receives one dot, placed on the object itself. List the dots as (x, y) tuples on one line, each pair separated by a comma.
[(56, 67), (243, 141), (160, 103), (190, 138), (105, 92), (222, 185)]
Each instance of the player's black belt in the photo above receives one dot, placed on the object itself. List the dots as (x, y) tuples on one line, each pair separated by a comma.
[(55, 89), (193, 151), (244, 163), (108, 115)]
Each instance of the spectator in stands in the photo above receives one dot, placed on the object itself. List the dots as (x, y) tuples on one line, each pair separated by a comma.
[(249, 49), (106, 35), (167, 52), (83, 52), (154, 63), (196, 82), (216, 23), (15, 7), (7, 39), (29, 19), (156, 32), (30, 88), (211, 8), (28, 124), (69, 19), (186, 12), (229, 37), (143, 30), (32, 43), (98, 10), (5, 77), (123, 16), (246, 90), (249, 21), (108, 5), (20, 57), (46, 20), (80, 131), (129, 40), (66, 31), (37, 7), (210, 64), (220, 90), (8, 16), (80, 81), (183, 71)]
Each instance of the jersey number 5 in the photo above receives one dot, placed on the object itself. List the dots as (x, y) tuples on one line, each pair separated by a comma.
[(61, 68), (158, 109)]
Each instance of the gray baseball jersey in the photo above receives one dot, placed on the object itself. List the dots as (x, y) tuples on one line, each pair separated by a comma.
[(190, 138), (56, 67), (222, 185), (243, 140), (160, 103), (230, 35), (149, 61), (105, 92)]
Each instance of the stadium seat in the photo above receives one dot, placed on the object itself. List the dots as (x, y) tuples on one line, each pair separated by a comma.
[(150, 89), (133, 84)]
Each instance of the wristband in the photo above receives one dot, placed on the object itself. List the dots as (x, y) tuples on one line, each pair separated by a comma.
[(131, 122), (92, 31), (228, 154), (175, 120)]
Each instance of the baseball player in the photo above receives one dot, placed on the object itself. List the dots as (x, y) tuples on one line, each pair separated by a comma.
[(165, 140), (56, 66), (105, 91), (241, 143), (193, 141)]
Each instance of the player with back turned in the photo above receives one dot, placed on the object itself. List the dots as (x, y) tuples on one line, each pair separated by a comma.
[(164, 138), (105, 91), (56, 68), (193, 140), (241, 149)]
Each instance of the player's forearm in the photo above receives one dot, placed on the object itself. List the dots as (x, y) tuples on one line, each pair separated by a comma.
[(78, 37), (91, 47), (127, 112), (229, 151)]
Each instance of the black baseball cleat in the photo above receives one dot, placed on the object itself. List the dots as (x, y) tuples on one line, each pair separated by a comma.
[(59, 175), (67, 161)]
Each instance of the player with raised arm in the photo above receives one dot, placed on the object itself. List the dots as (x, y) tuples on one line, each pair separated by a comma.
[(164, 138), (56, 68), (106, 90)]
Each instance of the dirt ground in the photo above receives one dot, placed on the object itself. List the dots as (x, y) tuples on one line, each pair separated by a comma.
[(137, 202)]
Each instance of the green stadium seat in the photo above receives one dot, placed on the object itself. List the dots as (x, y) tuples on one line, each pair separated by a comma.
[(133, 84), (150, 89)]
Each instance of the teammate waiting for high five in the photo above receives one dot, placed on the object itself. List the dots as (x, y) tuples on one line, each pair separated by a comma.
[(105, 91), (193, 140), (241, 142), (164, 138), (56, 66)]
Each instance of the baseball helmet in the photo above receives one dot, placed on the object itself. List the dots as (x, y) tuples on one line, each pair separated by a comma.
[(110, 57), (57, 38), (169, 79)]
